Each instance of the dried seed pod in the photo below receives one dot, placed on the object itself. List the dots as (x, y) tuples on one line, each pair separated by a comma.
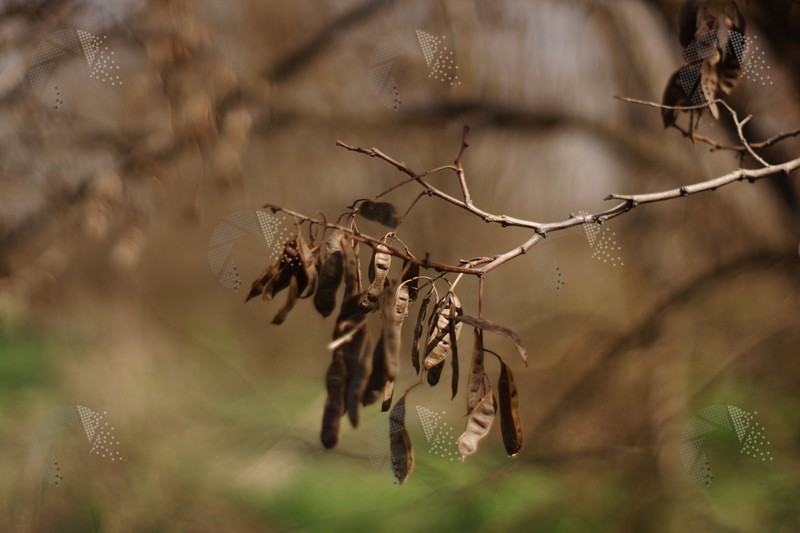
[(357, 385), (478, 425), (418, 331), (352, 268), (475, 388), (381, 212), (510, 422), (439, 342), (483, 324), (402, 455), (288, 305), (410, 278), (388, 392), (434, 374), (730, 68), (687, 22), (278, 275), (381, 262), (675, 96), (330, 276), (309, 257), (334, 403), (451, 331), (377, 378), (394, 306)]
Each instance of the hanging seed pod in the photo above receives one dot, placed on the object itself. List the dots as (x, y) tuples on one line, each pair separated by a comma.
[(288, 305), (434, 374), (475, 388), (280, 274), (381, 262), (410, 278), (334, 403), (309, 257), (357, 385), (388, 392), (510, 422), (377, 378), (478, 425), (451, 331), (418, 331), (394, 305), (330, 276), (439, 341), (402, 455), (352, 268)]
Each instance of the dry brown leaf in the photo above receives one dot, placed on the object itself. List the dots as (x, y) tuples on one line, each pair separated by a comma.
[(483, 324)]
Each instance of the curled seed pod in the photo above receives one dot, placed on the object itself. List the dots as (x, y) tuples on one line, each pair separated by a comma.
[(394, 306), (510, 422), (330, 275), (478, 425), (381, 262), (279, 275), (439, 340), (357, 385), (334, 403), (388, 392), (475, 388), (418, 331), (402, 454)]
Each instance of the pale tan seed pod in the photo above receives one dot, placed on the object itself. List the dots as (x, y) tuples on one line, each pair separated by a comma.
[(478, 425), (439, 342), (381, 262), (394, 306)]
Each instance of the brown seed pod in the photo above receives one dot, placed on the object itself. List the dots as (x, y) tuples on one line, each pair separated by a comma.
[(410, 278), (434, 374), (402, 455), (475, 388), (388, 392), (357, 385), (334, 403), (439, 341), (394, 306), (352, 268), (510, 422), (377, 378), (451, 331), (288, 305), (330, 276), (418, 331), (478, 425), (381, 262), (279, 275)]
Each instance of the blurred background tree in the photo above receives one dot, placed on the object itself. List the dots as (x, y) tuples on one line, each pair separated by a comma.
[(110, 196)]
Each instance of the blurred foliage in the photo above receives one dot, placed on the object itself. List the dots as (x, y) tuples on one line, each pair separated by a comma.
[(107, 299)]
